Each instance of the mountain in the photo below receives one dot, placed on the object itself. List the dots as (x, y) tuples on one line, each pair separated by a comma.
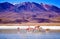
[(51, 8), (29, 12), (56, 9), (6, 6), (27, 6)]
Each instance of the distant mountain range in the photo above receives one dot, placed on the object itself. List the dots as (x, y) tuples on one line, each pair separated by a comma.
[(29, 12)]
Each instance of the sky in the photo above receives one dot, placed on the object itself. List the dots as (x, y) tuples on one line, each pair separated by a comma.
[(51, 2)]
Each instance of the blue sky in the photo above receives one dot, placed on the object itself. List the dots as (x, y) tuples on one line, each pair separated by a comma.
[(51, 2)]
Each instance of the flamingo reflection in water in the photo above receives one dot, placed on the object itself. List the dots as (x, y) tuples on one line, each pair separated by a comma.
[(18, 29)]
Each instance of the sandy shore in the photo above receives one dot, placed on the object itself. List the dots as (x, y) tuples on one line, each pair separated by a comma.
[(31, 24)]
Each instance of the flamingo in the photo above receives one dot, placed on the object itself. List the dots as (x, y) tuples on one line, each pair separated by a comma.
[(29, 29), (38, 28), (47, 30)]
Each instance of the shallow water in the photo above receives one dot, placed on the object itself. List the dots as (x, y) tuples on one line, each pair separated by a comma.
[(53, 35)]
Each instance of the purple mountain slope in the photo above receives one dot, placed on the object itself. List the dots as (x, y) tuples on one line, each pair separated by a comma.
[(29, 12), (56, 9), (30, 6), (6, 6)]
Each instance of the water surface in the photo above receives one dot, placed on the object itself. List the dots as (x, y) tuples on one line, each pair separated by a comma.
[(53, 35)]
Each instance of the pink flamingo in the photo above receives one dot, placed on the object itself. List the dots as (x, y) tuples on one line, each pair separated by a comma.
[(37, 28), (29, 29)]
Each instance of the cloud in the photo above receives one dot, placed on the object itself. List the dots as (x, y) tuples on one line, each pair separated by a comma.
[(14, 3)]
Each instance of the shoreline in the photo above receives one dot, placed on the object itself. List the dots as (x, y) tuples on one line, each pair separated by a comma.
[(31, 27), (31, 24)]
